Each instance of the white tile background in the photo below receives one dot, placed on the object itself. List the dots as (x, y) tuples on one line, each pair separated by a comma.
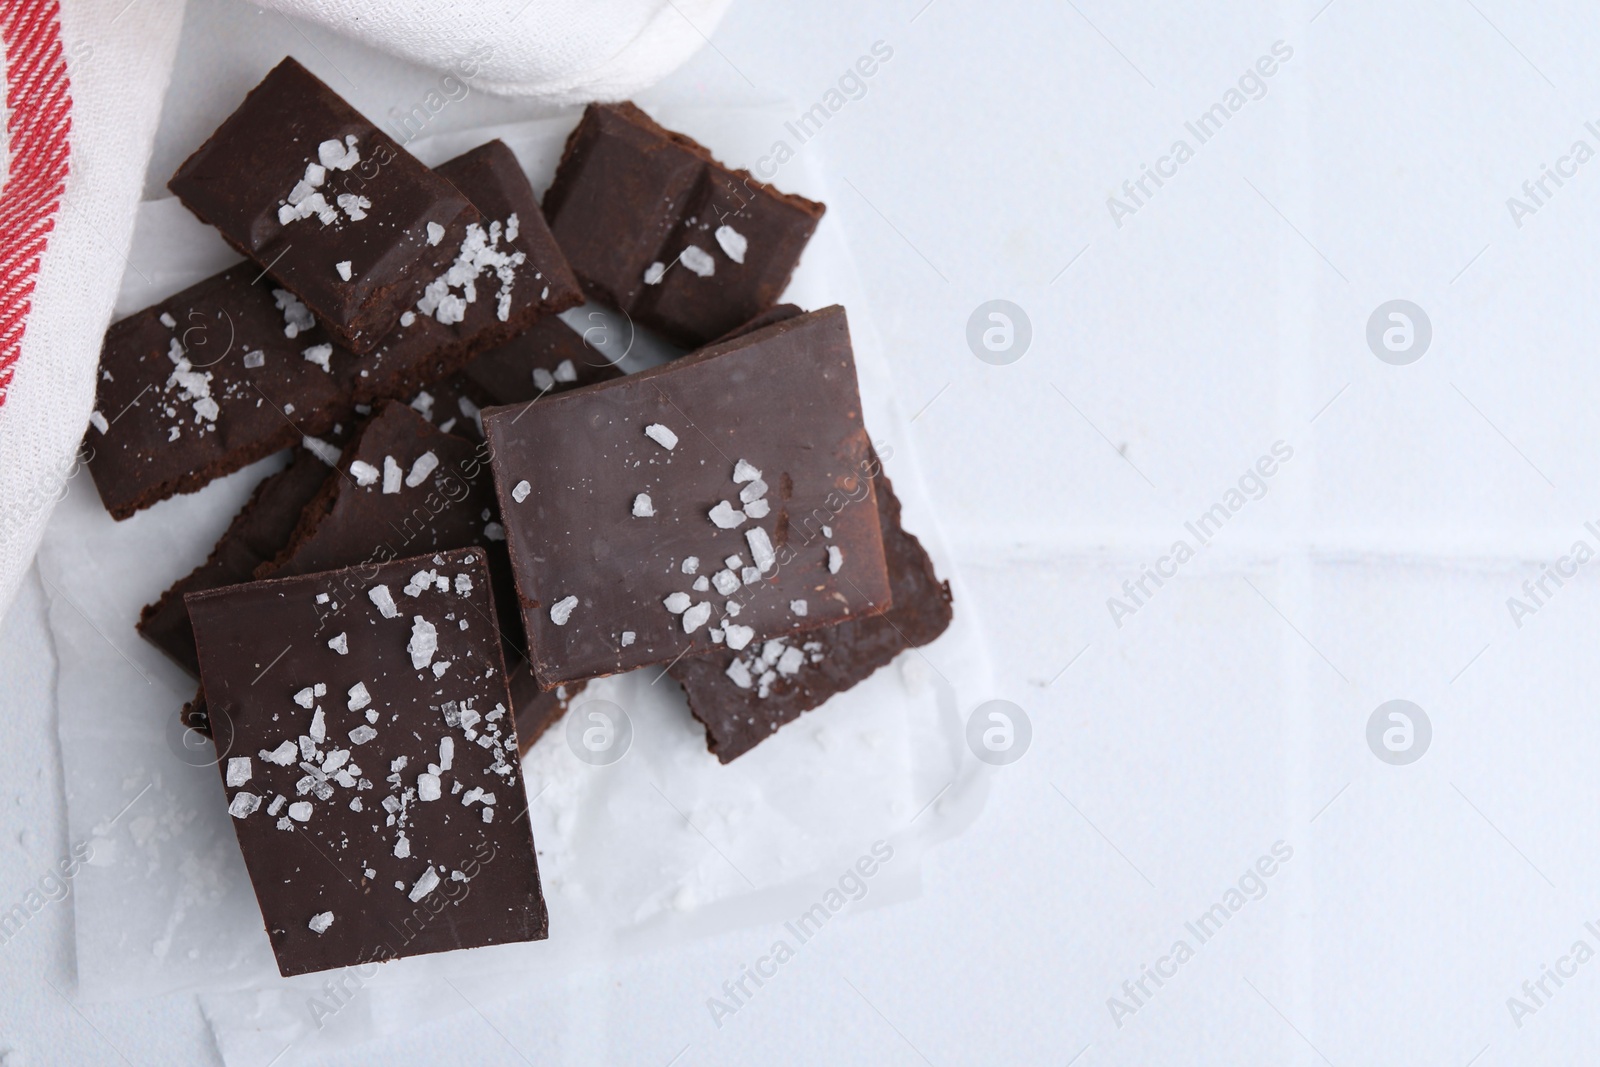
[(1230, 712)]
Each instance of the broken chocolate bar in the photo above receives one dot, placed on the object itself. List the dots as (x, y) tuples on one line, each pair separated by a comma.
[(693, 504), (369, 762), (234, 368), (743, 697), (256, 534), (344, 218), (655, 227)]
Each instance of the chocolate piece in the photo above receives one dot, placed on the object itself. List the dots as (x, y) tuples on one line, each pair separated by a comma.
[(369, 761), (347, 220), (607, 491), (547, 358), (403, 488), (256, 534), (741, 706), (655, 227), (222, 375), (537, 711)]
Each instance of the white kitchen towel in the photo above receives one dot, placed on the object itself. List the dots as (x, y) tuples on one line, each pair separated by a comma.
[(83, 83), (563, 51)]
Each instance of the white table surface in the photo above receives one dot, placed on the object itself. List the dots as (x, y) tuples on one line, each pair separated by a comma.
[(1229, 712)]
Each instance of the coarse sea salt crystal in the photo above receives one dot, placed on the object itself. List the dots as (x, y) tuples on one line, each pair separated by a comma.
[(391, 475), (642, 508), (691, 564), (797, 606), (520, 491), (380, 597), (739, 672), (463, 585), (561, 610), (343, 267), (702, 584), (305, 698), (565, 371), (726, 582), (494, 531), (421, 469), (835, 559), (424, 885), (99, 421), (654, 273), (300, 811), (754, 491), (238, 770), (424, 642), (699, 260), (359, 697), (255, 360), (744, 472), (543, 380), (243, 804), (428, 787), (757, 509), (696, 616), (760, 549), (362, 734), (283, 755), (340, 644), (725, 517), (435, 233), (677, 603), (733, 242), (168, 321), (319, 354), (789, 663), (320, 922), (364, 473), (662, 436), (627, 638), (738, 636)]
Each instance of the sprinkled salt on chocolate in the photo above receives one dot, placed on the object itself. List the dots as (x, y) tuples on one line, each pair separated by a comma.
[(733, 608), (565, 371), (300, 811), (827, 531), (296, 316), (283, 755), (98, 421), (255, 360), (725, 516), (744, 472), (494, 531), (654, 273), (320, 922), (305, 698), (561, 610), (463, 586), (543, 380), (421, 469), (702, 584), (642, 508), (691, 564), (738, 636), (696, 616), (243, 804), (677, 603), (379, 595), (168, 321), (520, 491), (757, 509), (435, 233), (835, 559), (699, 260), (359, 697), (391, 475), (738, 672), (661, 435), (750, 575), (428, 787), (361, 735), (754, 491), (364, 473), (790, 662), (627, 638), (726, 582), (343, 267), (797, 606), (761, 548), (424, 642), (733, 562), (733, 242)]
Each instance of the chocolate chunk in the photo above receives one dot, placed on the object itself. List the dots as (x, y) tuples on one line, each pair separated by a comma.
[(537, 711), (403, 487), (607, 491), (656, 227), (744, 705), (369, 761), (347, 220), (232, 370), (257, 533)]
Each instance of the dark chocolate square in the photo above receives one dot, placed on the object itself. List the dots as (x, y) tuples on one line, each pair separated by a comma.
[(239, 341), (359, 199), (594, 573), (351, 816), (630, 199), (741, 706)]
